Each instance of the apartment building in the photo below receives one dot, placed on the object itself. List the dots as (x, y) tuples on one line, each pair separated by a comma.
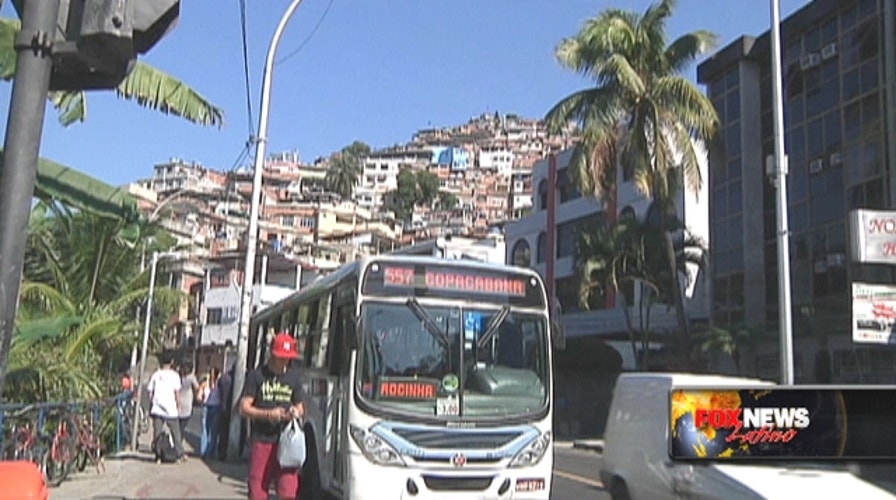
[(380, 173), (546, 240), (838, 65)]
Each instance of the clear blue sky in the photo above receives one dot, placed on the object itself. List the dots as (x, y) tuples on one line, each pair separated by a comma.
[(374, 70)]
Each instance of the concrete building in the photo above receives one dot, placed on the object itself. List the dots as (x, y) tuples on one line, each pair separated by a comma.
[(546, 241), (838, 69), (490, 249), (380, 173)]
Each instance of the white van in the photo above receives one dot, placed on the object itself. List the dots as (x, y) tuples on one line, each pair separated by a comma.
[(636, 462)]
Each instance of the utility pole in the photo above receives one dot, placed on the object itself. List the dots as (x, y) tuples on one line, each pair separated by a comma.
[(780, 175), (242, 345), (21, 151)]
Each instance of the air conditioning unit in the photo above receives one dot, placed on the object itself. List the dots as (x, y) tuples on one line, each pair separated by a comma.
[(829, 51), (816, 166), (836, 159), (809, 61), (836, 260)]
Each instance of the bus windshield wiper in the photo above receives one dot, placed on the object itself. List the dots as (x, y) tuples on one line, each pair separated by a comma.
[(428, 322), (493, 325)]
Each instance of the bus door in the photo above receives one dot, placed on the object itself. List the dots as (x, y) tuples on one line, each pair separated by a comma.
[(342, 331)]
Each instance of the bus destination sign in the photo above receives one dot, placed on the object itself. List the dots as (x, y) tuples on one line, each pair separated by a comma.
[(471, 283), (457, 280)]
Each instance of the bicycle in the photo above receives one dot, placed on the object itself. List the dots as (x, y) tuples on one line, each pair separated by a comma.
[(126, 411), (88, 443), (60, 451), (23, 440)]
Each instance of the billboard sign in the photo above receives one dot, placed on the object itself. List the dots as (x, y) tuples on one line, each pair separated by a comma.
[(873, 236), (873, 313)]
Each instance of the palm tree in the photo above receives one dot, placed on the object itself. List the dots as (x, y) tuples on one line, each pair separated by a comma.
[(148, 86), (640, 114), (621, 256), (345, 169)]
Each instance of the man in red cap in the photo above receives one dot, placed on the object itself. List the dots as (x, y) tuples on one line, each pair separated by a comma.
[(272, 396)]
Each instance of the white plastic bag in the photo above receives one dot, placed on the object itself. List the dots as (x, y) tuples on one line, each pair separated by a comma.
[(291, 449)]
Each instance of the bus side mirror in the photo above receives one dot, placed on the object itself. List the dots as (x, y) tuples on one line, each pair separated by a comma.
[(558, 335)]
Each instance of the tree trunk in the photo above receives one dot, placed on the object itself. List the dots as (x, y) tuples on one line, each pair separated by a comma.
[(684, 339)]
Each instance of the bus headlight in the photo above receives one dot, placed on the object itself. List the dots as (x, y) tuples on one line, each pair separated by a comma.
[(375, 449), (533, 452)]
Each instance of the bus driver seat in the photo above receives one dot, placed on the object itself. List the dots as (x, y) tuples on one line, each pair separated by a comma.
[(510, 346)]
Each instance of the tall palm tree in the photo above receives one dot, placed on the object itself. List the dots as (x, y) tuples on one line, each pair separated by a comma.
[(344, 172), (640, 113)]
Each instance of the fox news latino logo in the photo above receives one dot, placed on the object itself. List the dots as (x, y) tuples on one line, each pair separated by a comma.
[(755, 425)]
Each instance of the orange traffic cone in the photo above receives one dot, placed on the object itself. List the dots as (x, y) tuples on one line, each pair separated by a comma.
[(21, 480)]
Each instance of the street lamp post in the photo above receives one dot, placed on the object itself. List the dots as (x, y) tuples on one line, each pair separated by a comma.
[(780, 176), (242, 345), (141, 375)]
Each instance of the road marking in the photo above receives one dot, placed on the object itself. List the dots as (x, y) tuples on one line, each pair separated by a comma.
[(579, 479)]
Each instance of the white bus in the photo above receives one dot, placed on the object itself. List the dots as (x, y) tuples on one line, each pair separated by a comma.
[(425, 377)]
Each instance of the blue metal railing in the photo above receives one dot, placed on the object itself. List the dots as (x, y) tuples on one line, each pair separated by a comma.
[(119, 402)]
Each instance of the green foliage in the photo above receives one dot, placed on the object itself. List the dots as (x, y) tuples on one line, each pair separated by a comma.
[(428, 186), (406, 194), (149, 87), (346, 167), (76, 320), (419, 188), (641, 111), (448, 201)]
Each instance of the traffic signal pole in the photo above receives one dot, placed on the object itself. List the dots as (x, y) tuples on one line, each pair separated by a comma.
[(21, 151)]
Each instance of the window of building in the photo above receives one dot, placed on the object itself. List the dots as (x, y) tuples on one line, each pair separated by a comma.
[(543, 194), (219, 278), (565, 187), (520, 256), (288, 220), (541, 248), (215, 316), (869, 75), (568, 232)]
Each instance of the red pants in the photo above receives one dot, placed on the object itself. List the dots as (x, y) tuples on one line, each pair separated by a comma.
[(264, 469)]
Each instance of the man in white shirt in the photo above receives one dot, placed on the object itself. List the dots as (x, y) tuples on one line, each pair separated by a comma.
[(163, 388)]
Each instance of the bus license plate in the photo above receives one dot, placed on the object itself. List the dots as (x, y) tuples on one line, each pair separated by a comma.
[(447, 406), (529, 484)]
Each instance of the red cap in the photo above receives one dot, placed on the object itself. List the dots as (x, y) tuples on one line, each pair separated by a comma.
[(284, 346)]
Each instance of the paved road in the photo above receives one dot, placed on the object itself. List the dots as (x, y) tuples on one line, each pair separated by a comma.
[(575, 475)]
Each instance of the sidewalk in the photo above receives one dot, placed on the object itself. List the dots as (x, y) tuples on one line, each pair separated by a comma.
[(137, 475)]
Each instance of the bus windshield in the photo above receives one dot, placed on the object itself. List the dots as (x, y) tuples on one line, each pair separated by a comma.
[(448, 362)]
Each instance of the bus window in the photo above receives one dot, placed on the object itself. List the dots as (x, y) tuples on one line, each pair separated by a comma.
[(340, 343), (320, 334)]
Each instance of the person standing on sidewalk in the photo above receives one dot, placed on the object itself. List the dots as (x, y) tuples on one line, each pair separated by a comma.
[(163, 388), (208, 445), (272, 396), (189, 392), (225, 393)]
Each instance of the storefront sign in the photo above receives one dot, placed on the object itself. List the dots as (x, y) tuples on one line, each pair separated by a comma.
[(873, 236), (873, 313)]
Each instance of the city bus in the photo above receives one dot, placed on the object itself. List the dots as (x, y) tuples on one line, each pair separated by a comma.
[(424, 378)]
